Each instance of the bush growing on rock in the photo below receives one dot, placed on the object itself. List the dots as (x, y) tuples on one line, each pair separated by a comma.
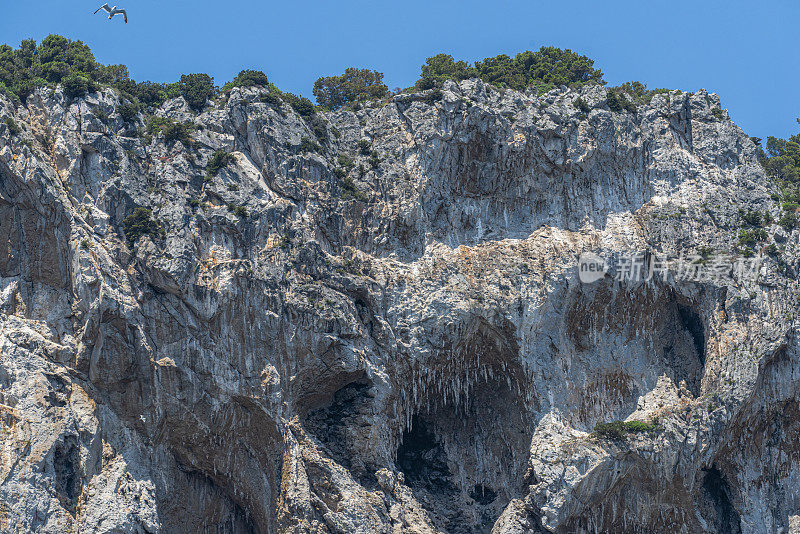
[(238, 210), (639, 92), (781, 160), (141, 223), (76, 85), (154, 94), (581, 105), (307, 145), (247, 78), (13, 128), (218, 161), (303, 106), (355, 85), (789, 221), (620, 429), (197, 89), (544, 69), (128, 110), (172, 130), (618, 102), (442, 67)]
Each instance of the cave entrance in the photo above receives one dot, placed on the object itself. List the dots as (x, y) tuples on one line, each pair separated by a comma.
[(718, 509), (464, 463)]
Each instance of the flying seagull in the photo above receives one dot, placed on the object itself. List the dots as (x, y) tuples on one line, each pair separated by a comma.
[(113, 11)]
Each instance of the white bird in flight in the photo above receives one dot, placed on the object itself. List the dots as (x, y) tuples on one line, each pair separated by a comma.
[(113, 11)]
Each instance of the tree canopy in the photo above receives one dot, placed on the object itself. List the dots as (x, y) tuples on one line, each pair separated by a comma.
[(355, 85), (247, 78), (781, 159), (59, 60), (547, 67), (197, 89)]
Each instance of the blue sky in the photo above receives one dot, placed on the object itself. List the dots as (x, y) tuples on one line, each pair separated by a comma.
[(747, 52)]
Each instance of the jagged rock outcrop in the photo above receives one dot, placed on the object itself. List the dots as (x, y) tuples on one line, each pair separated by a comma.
[(393, 341)]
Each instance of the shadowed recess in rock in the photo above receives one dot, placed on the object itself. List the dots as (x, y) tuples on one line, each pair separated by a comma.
[(723, 515), (66, 464), (337, 425), (691, 321)]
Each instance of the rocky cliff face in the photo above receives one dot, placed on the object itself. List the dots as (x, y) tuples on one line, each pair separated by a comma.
[(400, 344)]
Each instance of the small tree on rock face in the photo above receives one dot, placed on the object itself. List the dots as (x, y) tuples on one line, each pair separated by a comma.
[(355, 85), (443, 67), (140, 223), (248, 78), (76, 85), (197, 89)]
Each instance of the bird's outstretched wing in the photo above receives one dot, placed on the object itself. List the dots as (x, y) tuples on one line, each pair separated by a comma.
[(124, 14), (104, 6)]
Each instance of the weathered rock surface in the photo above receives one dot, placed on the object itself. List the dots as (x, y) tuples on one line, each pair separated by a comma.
[(402, 346)]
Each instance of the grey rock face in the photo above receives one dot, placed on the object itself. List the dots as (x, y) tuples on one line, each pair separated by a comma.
[(386, 333)]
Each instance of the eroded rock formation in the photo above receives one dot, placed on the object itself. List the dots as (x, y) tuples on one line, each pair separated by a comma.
[(397, 345)]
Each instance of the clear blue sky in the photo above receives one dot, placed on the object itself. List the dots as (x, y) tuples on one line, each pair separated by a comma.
[(747, 52)]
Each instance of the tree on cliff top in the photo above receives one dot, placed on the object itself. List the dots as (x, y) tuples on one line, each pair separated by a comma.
[(546, 68), (355, 85)]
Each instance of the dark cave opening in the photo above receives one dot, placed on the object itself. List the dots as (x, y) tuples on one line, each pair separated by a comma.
[(691, 321), (423, 460), (465, 462), (338, 423), (717, 490), (66, 464)]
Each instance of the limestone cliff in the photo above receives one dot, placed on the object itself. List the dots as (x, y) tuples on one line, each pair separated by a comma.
[(372, 321)]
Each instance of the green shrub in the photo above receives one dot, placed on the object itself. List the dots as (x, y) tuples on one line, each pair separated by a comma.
[(432, 97), (172, 130), (753, 218), (303, 106), (349, 190), (718, 114), (197, 89), (364, 147), (618, 102), (581, 105), (545, 68), (442, 67), (307, 145), (346, 161), (750, 238), (618, 430), (318, 127), (13, 128), (789, 221), (790, 206), (140, 223), (374, 160), (102, 116), (248, 78), (355, 85), (128, 110), (238, 210), (638, 91), (155, 94), (270, 99), (76, 85), (218, 161)]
